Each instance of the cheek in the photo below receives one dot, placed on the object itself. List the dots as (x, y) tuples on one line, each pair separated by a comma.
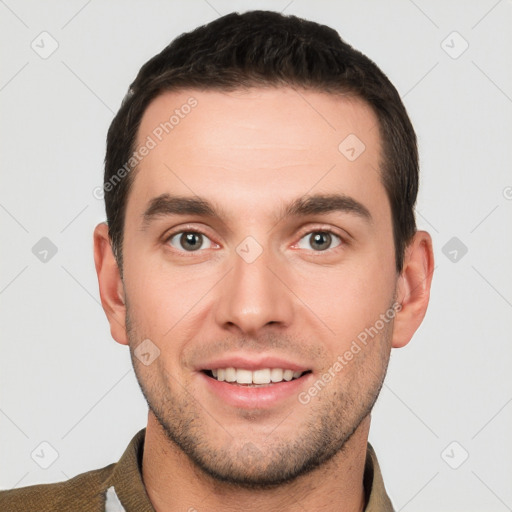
[(161, 297), (350, 298)]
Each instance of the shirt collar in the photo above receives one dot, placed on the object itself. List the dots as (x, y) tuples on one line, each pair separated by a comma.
[(126, 491), (377, 499), (126, 479)]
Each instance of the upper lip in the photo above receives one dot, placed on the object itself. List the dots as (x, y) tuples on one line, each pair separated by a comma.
[(253, 363)]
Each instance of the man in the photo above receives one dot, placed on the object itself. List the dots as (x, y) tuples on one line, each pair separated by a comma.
[(261, 259)]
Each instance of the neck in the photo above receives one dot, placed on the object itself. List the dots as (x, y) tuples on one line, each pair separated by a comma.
[(174, 483)]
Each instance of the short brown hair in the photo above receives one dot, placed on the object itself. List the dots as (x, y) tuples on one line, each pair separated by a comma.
[(262, 49)]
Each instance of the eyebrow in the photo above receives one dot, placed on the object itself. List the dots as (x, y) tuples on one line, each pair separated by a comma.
[(318, 204)]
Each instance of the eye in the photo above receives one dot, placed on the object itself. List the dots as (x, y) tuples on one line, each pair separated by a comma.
[(190, 241), (319, 240)]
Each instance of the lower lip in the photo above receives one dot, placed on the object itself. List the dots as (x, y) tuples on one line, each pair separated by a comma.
[(258, 397)]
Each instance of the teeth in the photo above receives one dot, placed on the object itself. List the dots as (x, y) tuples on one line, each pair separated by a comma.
[(263, 376), (230, 375), (243, 376), (276, 375)]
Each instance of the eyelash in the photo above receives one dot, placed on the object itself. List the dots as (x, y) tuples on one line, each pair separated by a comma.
[(343, 240)]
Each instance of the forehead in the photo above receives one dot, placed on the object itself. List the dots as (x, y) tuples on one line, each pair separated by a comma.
[(275, 142)]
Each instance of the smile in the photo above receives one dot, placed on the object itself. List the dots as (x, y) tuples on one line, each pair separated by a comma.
[(260, 377)]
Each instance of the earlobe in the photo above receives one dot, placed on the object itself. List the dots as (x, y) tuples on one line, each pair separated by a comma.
[(413, 288), (110, 284)]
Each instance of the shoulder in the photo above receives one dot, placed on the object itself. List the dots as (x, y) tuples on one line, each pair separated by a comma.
[(84, 492)]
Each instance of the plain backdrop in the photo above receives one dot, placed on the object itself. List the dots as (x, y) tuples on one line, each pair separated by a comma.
[(441, 427)]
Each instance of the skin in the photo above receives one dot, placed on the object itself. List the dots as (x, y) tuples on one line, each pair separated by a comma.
[(251, 152)]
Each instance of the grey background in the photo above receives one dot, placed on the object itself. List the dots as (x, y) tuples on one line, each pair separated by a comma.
[(64, 381)]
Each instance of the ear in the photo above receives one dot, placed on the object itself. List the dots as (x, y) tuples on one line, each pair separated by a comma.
[(413, 289), (110, 284)]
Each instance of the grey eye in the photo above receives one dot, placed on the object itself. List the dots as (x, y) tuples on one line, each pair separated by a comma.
[(190, 241), (319, 240)]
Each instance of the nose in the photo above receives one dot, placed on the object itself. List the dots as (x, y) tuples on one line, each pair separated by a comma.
[(254, 297)]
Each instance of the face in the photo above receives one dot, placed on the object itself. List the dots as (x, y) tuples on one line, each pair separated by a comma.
[(276, 262)]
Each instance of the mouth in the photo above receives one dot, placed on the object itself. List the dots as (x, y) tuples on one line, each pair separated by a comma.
[(263, 377)]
